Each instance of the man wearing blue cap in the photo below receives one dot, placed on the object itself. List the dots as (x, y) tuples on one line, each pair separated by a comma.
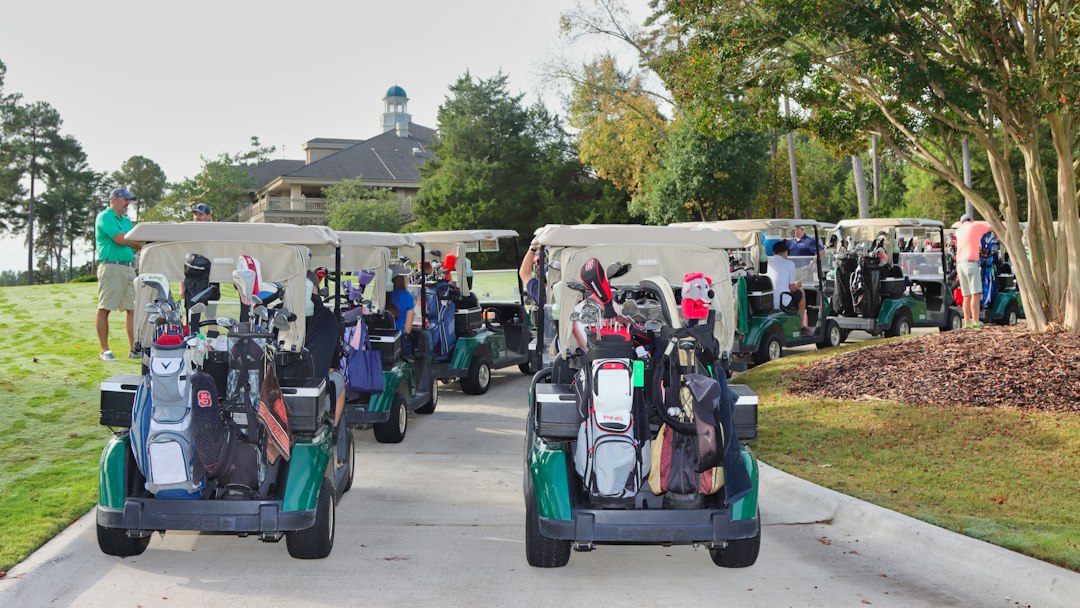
[(116, 269), (201, 213)]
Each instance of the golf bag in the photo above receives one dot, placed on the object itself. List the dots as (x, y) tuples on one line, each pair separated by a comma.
[(842, 296), (441, 310), (989, 250), (612, 452), (221, 442), (196, 281), (161, 433)]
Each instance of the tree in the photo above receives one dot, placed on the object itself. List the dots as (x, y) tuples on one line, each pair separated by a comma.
[(703, 178), (350, 205), (65, 210), (486, 171), (10, 174), (922, 75), (145, 179)]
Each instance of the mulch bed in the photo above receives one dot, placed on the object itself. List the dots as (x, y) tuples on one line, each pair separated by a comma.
[(988, 367)]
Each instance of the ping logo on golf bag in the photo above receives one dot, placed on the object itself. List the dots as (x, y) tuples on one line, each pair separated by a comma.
[(610, 457)]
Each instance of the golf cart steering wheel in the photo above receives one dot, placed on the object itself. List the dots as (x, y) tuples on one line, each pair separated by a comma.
[(492, 315)]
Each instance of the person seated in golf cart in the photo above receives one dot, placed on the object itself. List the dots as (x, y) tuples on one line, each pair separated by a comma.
[(402, 305), (782, 273)]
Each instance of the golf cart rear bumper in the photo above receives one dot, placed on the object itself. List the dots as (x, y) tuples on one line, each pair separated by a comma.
[(650, 527), (151, 514)]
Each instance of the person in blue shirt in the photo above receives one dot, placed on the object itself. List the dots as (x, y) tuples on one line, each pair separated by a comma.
[(804, 245), (401, 299)]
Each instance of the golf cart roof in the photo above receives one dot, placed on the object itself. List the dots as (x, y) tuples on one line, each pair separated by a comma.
[(760, 224), (288, 234), (464, 236), (586, 235), (889, 222), (377, 239)]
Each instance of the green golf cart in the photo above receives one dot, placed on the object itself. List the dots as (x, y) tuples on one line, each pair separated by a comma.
[(471, 338), (642, 328), (889, 276), (409, 384), (764, 330), (165, 467)]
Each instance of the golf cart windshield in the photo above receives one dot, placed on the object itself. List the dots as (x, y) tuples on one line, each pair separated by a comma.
[(441, 244)]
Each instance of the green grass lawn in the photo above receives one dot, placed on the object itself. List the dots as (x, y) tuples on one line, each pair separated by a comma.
[(50, 441), (1005, 476), (496, 286)]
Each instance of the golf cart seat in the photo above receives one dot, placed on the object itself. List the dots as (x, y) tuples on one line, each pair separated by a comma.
[(787, 304), (759, 293)]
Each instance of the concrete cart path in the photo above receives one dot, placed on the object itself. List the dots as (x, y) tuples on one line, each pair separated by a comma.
[(439, 520)]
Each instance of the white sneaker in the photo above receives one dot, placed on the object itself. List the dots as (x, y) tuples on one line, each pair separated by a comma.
[(134, 355), (107, 356)]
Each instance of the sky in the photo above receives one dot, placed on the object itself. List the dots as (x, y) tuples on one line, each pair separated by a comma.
[(180, 80)]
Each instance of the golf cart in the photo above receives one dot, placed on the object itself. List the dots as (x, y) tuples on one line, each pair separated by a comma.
[(890, 276), (472, 337), (763, 330), (612, 408), (229, 434), (639, 243), (408, 383), (1000, 299)]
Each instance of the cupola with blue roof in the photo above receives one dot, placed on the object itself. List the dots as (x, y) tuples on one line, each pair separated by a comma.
[(396, 114)]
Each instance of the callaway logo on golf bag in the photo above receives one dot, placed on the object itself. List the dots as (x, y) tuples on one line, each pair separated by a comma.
[(161, 433), (610, 457)]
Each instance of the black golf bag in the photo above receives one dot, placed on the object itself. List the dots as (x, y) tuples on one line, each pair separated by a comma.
[(845, 268), (196, 281)]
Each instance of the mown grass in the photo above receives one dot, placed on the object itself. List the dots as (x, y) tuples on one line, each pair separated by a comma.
[(50, 441), (1006, 476), (496, 286)]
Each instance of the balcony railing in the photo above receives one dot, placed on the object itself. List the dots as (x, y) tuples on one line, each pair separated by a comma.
[(282, 203)]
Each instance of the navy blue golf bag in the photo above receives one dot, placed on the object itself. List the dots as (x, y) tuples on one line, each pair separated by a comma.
[(441, 308)]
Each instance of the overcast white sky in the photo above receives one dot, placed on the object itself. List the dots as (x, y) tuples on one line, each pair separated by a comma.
[(173, 81)]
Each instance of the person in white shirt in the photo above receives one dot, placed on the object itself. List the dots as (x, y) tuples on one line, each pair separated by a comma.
[(782, 273)]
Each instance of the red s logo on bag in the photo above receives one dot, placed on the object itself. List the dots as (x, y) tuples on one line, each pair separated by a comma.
[(204, 398)]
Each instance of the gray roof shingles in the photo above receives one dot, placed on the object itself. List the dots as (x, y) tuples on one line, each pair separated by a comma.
[(385, 157)]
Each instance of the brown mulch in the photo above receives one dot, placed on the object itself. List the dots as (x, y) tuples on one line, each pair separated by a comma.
[(988, 367)]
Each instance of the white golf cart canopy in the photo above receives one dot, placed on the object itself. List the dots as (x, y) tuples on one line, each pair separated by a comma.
[(457, 242), (281, 250), (867, 229), (652, 251), (371, 251)]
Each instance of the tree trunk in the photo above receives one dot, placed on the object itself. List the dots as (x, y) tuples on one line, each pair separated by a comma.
[(1063, 132), (796, 206), (30, 228), (860, 186), (876, 169), (968, 207)]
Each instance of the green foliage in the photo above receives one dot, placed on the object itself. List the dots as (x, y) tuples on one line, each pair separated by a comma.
[(144, 178), (703, 178), (84, 278), (350, 205)]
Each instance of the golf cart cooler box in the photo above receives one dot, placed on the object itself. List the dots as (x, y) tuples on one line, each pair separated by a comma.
[(557, 413), (759, 293), (1006, 282), (891, 286), (387, 341), (117, 397), (467, 321), (307, 401), (746, 406)]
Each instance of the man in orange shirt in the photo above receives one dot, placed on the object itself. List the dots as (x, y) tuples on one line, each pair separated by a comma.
[(968, 237)]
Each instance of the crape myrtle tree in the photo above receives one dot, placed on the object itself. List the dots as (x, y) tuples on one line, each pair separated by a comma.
[(350, 205), (921, 75)]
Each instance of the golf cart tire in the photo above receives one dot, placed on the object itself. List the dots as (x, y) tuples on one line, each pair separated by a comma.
[(1011, 315), (741, 553), (844, 335), (394, 429), (526, 368), (433, 402), (478, 379), (115, 541), (955, 322), (833, 337), (541, 551), (762, 355), (317, 541), (351, 461), (901, 321)]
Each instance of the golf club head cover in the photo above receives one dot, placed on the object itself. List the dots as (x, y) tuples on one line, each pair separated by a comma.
[(697, 294), (246, 262)]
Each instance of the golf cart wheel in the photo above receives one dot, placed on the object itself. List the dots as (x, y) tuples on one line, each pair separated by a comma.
[(833, 336), (115, 541), (955, 322), (770, 349), (350, 460), (393, 430), (478, 378), (844, 334), (317, 541), (541, 551), (738, 553), (1011, 316), (901, 325), (433, 402), (526, 368)]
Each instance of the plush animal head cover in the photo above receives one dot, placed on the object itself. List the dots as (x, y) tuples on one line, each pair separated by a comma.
[(697, 293)]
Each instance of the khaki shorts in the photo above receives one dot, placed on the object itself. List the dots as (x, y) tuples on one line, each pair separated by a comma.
[(116, 287), (970, 276)]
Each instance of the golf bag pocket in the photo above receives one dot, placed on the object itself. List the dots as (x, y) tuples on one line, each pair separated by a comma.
[(612, 393), (171, 459), (674, 467)]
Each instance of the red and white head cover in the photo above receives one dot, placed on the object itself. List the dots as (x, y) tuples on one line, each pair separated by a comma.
[(246, 262)]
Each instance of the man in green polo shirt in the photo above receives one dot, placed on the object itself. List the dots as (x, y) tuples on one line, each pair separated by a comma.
[(116, 269)]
